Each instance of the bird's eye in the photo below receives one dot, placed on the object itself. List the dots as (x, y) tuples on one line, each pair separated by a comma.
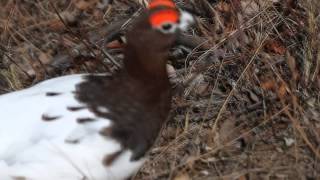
[(167, 28)]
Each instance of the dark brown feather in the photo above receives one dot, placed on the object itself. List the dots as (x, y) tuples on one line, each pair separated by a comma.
[(138, 97)]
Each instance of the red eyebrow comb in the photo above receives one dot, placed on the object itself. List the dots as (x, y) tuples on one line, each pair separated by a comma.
[(158, 3), (164, 16)]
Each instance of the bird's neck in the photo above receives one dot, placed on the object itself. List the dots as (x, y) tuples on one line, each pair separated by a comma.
[(146, 64)]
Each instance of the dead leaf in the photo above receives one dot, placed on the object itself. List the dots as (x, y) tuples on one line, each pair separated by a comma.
[(223, 7), (56, 25), (253, 96), (282, 91), (114, 45), (243, 177), (85, 5), (268, 85), (275, 46), (45, 58), (292, 65), (183, 176), (250, 7), (202, 89), (226, 130)]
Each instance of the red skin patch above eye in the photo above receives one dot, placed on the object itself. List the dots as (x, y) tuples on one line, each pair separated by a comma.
[(160, 17), (159, 3)]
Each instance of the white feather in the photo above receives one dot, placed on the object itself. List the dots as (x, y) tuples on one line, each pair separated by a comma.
[(185, 20), (41, 150)]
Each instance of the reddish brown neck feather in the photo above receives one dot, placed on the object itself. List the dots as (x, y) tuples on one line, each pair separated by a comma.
[(146, 52), (138, 97)]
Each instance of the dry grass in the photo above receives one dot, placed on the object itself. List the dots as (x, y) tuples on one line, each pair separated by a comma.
[(251, 104)]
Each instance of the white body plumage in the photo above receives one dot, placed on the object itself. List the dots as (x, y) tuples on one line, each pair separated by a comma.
[(35, 149)]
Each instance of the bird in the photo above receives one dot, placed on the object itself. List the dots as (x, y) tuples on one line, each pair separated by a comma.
[(95, 126)]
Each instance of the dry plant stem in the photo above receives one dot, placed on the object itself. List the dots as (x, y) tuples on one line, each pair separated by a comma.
[(295, 121), (215, 150), (295, 104), (194, 42), (113, 31), (106, 54), (212, 92), (211, 96), (39, 4), (297, 126), (173, 163), (81, 39), (242, 28), (21, 69), (218, 148), (222, 109), (6, 23), (29, 57), (311, 41), (127, 22), (178, 138), (12, 79), (239, 175), (192, 52), (107, 13), (143, 3), (317, 70), (186, 121)]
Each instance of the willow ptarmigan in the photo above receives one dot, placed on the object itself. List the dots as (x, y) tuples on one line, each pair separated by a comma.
[(94, 127)]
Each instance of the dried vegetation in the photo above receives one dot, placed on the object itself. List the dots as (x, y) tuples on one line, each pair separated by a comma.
[(247, 79)]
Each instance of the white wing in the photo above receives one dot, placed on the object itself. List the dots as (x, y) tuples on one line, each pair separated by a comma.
[(61, 148)]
